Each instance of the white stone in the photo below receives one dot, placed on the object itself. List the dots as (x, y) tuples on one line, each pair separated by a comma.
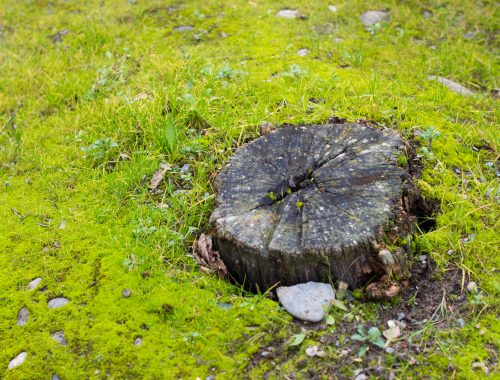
[(22, 316), (308, 302), (453, 86), (289, 13), (18, 360), (32, 285), (58, 336), (58, 302), (332, 8), (303, 52), (373, 17)]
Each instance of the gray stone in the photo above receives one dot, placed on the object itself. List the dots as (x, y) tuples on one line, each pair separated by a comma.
[(373, 17), (138, 341), (32, 285), (18, 360), (184, 28), (451, 85), (472, 287), (303, 52), (22, 316), (57, 302), (58, 336), (289, 13), (126, 293), (55, 377), (308, 302)]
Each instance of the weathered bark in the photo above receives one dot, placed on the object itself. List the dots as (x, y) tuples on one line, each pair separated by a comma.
[(306, 204)]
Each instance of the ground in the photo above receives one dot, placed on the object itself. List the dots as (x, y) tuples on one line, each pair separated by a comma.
[(95, 95)]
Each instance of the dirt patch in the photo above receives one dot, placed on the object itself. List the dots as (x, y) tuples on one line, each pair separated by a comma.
[(433, 299)]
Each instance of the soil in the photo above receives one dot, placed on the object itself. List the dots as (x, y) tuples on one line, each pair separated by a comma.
[(432, 297)]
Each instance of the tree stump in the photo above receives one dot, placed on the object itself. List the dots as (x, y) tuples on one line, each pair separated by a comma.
[(309, 204)]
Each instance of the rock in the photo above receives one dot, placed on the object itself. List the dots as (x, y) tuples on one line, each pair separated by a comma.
[(18, 360), (453, 86), (265, 353), (304, 204), (290, 13), (401, 316), (303, 52), (472, 287), (126, 293), (427, 14), (361, 376), (460, 322), (332, 8), (55, 377), (58, 336), (373, 17), (57, 302), (389, 350), (32, 285), (306, 301), (184, 28), (22, 316), (138, 341)]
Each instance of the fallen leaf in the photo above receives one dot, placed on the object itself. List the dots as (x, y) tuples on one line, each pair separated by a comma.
[(330, 320), (209, 260), (393, 332), (158, 176), (297, 339), (339, 304)]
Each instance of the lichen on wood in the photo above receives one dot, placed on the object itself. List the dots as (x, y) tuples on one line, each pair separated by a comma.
[(307, 204)]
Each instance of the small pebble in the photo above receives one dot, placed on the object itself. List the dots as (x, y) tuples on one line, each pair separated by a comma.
[(55, 377), (57, 302), (22, 316), (373, 17), (332, 8), (451, 85), (401, 316), (184, 168), (138, 341), (427, 14), (472, 287), (460, 322), (289, 13), (450, 252), (32, 285), (58, 336), (264, 353), (18, 360), (361, 376), (389, 350), (303, 52), (126, 293), (183, 28)]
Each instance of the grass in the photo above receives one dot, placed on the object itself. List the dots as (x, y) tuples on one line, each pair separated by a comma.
[(95, 95)]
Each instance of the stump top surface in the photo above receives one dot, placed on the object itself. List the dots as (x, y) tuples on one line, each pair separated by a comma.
[(315, 189)]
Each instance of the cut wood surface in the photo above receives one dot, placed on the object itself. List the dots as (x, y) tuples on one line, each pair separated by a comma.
[(307, 203)]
